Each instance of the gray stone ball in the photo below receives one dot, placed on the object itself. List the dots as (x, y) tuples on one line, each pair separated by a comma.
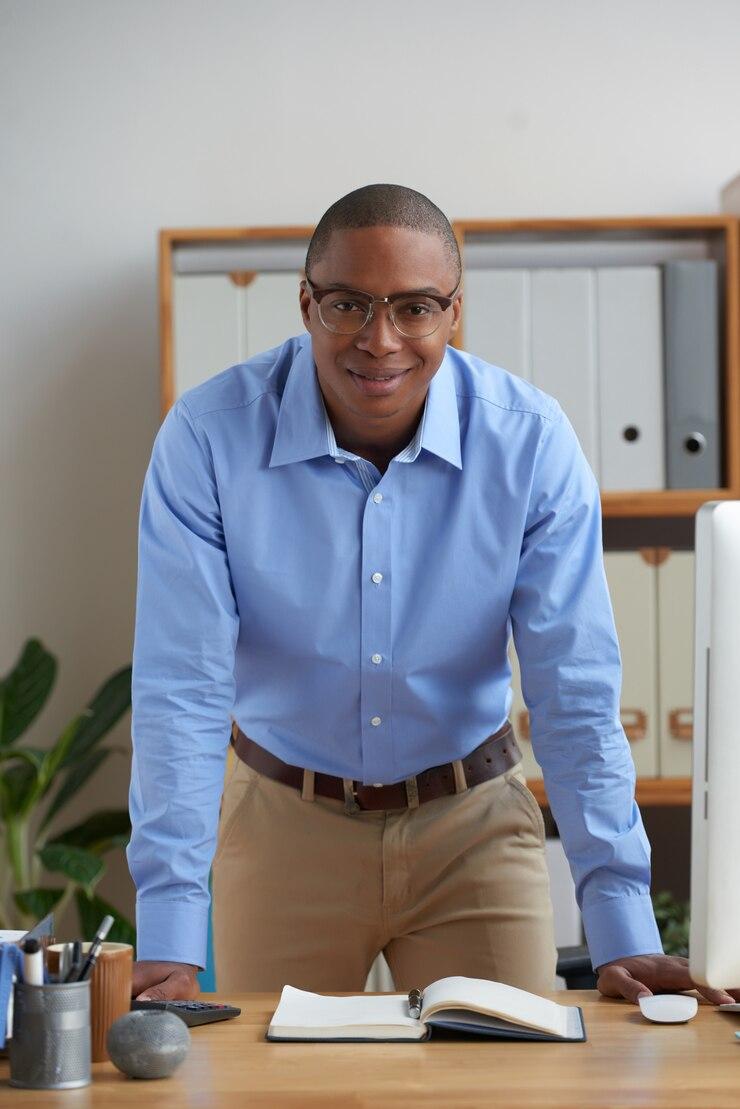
[(148, 1043)]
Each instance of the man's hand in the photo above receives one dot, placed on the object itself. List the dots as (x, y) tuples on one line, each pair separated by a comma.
[(643, 975), (154, 981)]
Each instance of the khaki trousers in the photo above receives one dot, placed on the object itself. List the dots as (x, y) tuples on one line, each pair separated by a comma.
[(306, 894)]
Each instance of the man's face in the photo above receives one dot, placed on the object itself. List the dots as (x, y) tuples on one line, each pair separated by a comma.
[(379, 261)]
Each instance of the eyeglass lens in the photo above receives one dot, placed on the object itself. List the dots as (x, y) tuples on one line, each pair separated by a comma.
[(345, 313)]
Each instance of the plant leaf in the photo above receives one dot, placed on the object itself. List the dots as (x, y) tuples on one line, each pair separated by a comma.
[(33, 755), (75, 779), (54, 757), (105, 709), (99, 832), (18, 783), (25, 690), (93, 909), (37, 902), (73, 862)]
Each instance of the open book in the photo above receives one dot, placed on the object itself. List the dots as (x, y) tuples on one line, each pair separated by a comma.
[(463, 1005)]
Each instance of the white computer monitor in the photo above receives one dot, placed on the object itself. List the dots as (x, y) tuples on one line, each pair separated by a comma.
[(714, 942)]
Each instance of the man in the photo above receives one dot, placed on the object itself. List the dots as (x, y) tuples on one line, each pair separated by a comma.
[(336, 539)]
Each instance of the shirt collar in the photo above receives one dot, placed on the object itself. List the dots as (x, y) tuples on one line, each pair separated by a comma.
[(304, 430)]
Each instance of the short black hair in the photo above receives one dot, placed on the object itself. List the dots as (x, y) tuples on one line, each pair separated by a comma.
[(383, 206)]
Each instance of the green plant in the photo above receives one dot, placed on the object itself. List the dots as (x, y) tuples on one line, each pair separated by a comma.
[(672, 917), (37, 783)]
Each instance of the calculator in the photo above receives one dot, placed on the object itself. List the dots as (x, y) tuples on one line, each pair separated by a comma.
[(192, 1012)]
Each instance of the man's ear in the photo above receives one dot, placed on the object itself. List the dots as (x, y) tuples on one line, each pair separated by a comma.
[(456, 312), (304, 302)]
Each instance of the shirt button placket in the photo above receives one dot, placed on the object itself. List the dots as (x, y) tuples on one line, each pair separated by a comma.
[(375, 690)]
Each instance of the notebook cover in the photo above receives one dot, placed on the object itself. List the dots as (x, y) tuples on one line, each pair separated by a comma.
[(452, 1030)]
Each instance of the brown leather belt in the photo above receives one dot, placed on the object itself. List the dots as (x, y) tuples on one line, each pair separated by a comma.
[(494, 756)]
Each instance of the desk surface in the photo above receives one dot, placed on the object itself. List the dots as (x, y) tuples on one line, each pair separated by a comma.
[(626, 1061)]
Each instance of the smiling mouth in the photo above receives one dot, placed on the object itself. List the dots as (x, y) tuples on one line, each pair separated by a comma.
[(378, 377)]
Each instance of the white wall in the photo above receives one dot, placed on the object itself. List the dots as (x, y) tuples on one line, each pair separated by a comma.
[(117, 119)]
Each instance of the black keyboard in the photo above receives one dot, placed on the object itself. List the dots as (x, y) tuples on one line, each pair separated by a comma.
[(192, 1012)]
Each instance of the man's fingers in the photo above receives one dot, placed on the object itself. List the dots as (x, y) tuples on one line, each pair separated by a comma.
[(146, 978), (616, 981), (175, 986), (664, 975), (717, 997), (677, 977), (155, 981), (155, 993)]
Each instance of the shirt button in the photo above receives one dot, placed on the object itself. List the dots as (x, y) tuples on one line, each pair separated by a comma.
[(375, 721), (341, 461), (377, 658), (377, 497), (377, 578)]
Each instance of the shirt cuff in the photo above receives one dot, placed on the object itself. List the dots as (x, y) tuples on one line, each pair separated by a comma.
[(172, 932), (618, 927)]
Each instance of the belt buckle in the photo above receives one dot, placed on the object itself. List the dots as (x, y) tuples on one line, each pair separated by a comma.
[(351, 803)]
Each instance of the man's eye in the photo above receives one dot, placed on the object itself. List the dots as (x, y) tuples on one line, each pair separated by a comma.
[(415, 308), (345, 306)]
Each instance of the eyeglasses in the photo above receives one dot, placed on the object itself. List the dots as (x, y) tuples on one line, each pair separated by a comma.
[(347, 311)]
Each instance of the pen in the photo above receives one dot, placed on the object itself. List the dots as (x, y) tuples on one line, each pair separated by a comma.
[(76, 959), (64, 962), (416, 997), (92, 954), (33, 963)]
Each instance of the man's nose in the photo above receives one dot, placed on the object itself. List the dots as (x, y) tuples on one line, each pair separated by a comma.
[(379, 336)]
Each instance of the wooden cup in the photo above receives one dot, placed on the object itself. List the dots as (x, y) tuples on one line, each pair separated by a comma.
[(110, 989)]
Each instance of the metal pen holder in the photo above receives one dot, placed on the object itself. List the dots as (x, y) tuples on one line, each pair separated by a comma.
[(50, 1045)]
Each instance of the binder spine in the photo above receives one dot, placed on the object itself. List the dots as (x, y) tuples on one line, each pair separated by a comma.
[(691, 326), (631, 377)]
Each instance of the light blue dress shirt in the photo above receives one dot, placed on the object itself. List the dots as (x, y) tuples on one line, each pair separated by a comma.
[(357, 623)]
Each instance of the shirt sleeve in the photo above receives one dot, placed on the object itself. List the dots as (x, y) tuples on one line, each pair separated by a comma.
[(566, 641), (182, 693)]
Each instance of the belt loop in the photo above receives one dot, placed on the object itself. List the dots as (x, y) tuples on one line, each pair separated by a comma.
[(412, 793), (307, 793), (350, 803), (461, 783)]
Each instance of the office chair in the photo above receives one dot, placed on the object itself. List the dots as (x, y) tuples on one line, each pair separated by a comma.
[(574, 965)]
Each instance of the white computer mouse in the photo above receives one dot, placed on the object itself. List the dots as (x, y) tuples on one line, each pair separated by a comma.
[(668, 1008)]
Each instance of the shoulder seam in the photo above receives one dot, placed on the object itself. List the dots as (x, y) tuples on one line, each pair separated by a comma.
[(226, 407), (507, 408)]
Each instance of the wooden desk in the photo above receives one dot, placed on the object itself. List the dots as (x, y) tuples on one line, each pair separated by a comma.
[(626, 1061)]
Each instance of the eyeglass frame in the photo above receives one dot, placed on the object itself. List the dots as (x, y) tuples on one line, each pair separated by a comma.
[(444, 302)]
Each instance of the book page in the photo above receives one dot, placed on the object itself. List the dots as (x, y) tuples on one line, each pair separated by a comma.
[(498, 1000), (300, 1010)]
